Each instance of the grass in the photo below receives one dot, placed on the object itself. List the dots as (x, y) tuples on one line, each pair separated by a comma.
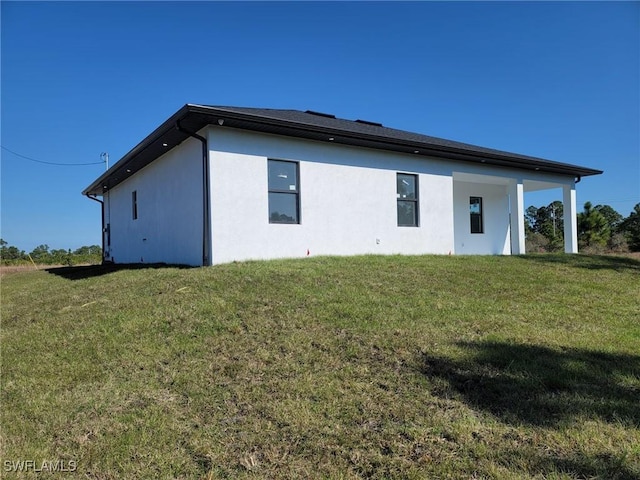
[(367, 367)]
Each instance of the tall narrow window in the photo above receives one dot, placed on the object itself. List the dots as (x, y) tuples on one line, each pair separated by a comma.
[(284, 192), (407, 196), (134, 204), (475, 212)]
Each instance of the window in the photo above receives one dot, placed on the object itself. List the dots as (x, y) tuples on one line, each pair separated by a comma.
[(284, 192), (475, 212), (134, 204), (407, 200)]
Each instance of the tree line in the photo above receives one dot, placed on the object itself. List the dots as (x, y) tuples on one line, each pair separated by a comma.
[(10, 255), (600, 229)]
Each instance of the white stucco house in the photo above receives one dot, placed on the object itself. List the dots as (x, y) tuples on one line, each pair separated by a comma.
[(218, 184)]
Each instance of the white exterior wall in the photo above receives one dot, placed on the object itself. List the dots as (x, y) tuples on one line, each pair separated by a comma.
[(495, 212), (169, 224), (348, 203), (347, 200)]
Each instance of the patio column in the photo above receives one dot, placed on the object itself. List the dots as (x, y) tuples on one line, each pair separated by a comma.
[(570, 218), (516, 207)]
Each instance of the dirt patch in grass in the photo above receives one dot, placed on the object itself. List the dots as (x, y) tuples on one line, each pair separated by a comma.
[(8, 269)]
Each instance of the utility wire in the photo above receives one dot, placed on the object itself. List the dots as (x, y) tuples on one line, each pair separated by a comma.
[(48, 163), (623, 200)]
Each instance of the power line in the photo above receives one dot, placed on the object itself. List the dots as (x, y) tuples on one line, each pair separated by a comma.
[(624, 200), (47, 163)]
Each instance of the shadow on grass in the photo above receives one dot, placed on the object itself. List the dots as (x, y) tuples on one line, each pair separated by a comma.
[(605, 466), (524, 384), (592, 262), (87, 271)]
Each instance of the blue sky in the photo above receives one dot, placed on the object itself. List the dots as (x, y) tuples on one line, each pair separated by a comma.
[(559, 81)]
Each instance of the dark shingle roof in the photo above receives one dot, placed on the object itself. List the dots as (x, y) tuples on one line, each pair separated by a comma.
[(368, 128), (316, 126)]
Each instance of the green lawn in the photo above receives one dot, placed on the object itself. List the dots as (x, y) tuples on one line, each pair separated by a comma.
[(366, 367)]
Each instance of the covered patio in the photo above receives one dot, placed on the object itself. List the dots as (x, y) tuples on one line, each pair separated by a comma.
[(489, 211)]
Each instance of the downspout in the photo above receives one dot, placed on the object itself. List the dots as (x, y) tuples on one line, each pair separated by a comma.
[(206, 242), (102, 218), (578, 178)]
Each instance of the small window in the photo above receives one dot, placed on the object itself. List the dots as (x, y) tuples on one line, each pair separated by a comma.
[(407, 197), (284, 192), (475, 212), (134, 204)]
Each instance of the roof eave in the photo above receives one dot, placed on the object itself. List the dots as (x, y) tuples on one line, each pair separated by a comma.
[(167, 136), (424, 149), (417, 148), (96, 187)]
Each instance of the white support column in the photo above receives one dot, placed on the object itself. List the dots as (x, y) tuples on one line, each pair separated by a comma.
[(516, 207), (570, 218)]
